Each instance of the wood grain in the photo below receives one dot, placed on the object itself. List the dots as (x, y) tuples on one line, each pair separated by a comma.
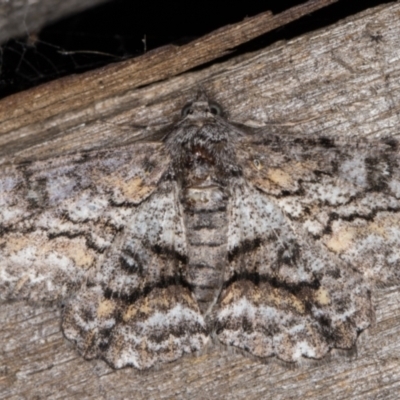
[(342, 80)]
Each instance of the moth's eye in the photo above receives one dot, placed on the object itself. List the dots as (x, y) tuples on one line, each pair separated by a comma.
[(187, 110), (215, 109)]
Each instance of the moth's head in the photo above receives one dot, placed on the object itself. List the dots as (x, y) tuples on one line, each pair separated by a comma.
[(202, 107)]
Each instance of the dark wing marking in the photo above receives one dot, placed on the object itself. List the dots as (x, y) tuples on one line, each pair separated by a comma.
[(284, 294), (343, 194), (138, 310), (58, 217)]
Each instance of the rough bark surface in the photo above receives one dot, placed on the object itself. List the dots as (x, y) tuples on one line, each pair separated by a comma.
[(342, 81)]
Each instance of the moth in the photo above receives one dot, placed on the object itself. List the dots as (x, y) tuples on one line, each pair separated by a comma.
[(263, 240)]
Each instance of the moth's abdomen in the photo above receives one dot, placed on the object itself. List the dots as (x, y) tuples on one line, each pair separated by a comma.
[(206, 226)]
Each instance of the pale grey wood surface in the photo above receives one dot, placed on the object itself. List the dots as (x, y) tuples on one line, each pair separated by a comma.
[(343, 80), (24, 17)]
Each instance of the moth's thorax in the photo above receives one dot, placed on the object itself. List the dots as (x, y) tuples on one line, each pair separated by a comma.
[(200, 168), (203, 155)]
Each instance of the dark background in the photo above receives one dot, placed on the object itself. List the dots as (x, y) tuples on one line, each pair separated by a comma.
[(115, 31)]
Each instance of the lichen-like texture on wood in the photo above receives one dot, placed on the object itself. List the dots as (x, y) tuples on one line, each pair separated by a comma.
[(340, 83)]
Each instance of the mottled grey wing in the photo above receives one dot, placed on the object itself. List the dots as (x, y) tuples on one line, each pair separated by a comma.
[(59, 217), (137, 310), (312, 224), (344, 195)]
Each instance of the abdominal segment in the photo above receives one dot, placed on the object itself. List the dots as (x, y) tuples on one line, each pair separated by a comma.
[(206, 227)]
